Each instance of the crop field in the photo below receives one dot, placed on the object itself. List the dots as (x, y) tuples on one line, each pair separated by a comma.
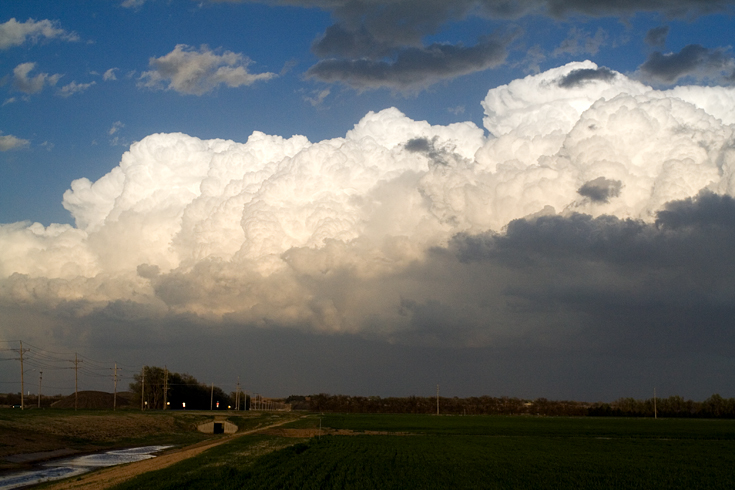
[(415, 451)]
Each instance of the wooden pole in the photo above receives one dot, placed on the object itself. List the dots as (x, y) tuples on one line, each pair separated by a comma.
[(114, 393), (76, 379), (22, 386), (437, 399)]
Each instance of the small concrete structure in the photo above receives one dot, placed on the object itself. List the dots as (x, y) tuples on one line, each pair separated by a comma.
[(217, 426)]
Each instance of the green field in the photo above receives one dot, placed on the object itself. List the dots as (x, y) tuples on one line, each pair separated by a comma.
[(426, 452)]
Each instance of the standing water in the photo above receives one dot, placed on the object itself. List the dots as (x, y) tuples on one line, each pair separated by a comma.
[(69, 467)]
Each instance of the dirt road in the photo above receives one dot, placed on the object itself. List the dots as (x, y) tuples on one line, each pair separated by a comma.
[(115, 475)]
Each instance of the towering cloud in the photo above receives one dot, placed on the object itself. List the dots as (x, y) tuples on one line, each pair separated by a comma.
[(590, 190)]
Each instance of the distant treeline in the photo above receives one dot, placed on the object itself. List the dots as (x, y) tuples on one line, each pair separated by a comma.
[(181, 389), (12, 399), (674, 406)]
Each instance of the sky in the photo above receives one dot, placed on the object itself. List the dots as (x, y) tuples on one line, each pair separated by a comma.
[(529, 199)]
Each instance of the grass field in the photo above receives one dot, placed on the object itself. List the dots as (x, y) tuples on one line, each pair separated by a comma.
[(467, 452)]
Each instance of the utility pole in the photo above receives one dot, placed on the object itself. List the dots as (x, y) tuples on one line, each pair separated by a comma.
[(114, 393), (165, 386), (22, 386), (211, 399), (437, 399), (655, 413), (40, 377), (142, 389), (76, 379), (237, 394)]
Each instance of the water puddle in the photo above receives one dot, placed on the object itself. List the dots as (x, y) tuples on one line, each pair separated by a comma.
[(69, 467)]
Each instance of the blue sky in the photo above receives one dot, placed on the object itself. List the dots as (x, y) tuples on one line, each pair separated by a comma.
[(69, 135), (500, 237)]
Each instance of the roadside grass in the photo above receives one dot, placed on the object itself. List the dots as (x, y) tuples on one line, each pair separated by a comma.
[(468, 452), (31, 431)]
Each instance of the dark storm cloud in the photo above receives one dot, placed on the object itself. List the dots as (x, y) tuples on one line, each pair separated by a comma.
[(623, 286), (657, 36), (577, 77), (674, 8), (693, 60), (438, 11), (601, 189), (412, 68), (340, 42), (379, 43)]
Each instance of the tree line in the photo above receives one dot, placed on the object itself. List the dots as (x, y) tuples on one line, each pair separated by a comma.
[(675, 406), (31, 401), (182, 391)]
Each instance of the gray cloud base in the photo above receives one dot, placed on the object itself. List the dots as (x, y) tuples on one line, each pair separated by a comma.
[(693, 60), (412, 68)]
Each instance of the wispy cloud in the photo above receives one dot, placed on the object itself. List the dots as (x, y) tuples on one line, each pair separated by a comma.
[(32, 84), (109, 75), (9, 142), (318, 97), (580, 42), (113, 131), (14, 33), (188, 71), (116, 126), (132, 4), (74, 88)]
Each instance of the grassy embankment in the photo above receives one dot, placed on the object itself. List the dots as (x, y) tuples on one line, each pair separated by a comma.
[(410, 451), (32, 431)]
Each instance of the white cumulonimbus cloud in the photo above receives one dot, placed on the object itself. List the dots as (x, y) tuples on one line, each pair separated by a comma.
[(329, 236)]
